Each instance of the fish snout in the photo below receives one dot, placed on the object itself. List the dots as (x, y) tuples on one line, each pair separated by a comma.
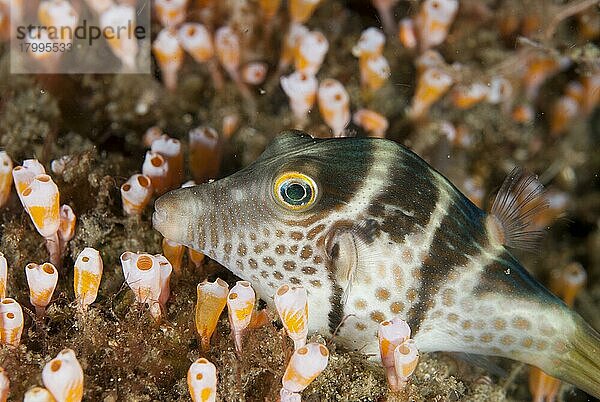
[(159, 219), (172, 214)]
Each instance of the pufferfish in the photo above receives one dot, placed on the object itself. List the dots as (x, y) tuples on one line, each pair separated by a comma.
[(373, 232)]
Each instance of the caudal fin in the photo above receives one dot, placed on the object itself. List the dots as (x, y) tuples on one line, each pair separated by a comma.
[(580, 365)]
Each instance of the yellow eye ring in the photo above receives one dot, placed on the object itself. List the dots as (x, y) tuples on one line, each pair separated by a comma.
[(295, 191)]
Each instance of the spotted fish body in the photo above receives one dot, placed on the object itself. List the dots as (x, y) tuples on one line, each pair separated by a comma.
[(385, 236)]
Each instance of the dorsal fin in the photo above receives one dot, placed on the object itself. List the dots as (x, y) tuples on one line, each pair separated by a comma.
[(520, 198), (287, 141)]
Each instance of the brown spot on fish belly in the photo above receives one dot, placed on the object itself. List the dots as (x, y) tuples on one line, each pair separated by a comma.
[(289, 265), (382, 294), (360, 304), (259, 248), (499, 324), (507, 340), (521, 323), (377, 316), (486, 338), (306, 252), (448, 297), (360, 326), (527, 342), (397, 307), (398, 276)]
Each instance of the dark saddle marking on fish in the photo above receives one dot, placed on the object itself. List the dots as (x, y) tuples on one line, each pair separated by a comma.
[(506, 276), (409, 198), (459, 236)]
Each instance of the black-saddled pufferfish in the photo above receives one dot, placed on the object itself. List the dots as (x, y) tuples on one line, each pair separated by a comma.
[(373, 232)]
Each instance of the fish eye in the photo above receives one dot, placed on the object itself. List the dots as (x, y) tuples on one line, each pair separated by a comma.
[(295, 191)]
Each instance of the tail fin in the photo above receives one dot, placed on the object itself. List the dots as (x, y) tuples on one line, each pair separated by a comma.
[(580, 365)]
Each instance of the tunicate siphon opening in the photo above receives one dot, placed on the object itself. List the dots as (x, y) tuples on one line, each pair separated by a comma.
[(143, 181), (27, 191), (8, 301), (233, 296), (10, 316), (144, 262), (323, 350), (210, 133), (85, 259), (202, 360), (156, 161), (126, 187), (405, 350), (126, 256), (55, 365), (221, 282), (199, 376), (49, 269), (303, 351), (191, 31), (44, 178)]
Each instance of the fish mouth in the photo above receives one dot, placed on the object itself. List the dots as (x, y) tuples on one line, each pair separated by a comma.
[(180, 214), (165, 219), (159, 219)]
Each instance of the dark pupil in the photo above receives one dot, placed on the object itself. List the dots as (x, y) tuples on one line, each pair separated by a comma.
[(296, 193)]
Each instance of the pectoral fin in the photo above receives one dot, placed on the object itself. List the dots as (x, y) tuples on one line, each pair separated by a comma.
[(511, 220), (348, 250)]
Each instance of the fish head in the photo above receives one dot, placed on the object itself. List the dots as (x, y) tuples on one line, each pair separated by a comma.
[(272, 216)]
